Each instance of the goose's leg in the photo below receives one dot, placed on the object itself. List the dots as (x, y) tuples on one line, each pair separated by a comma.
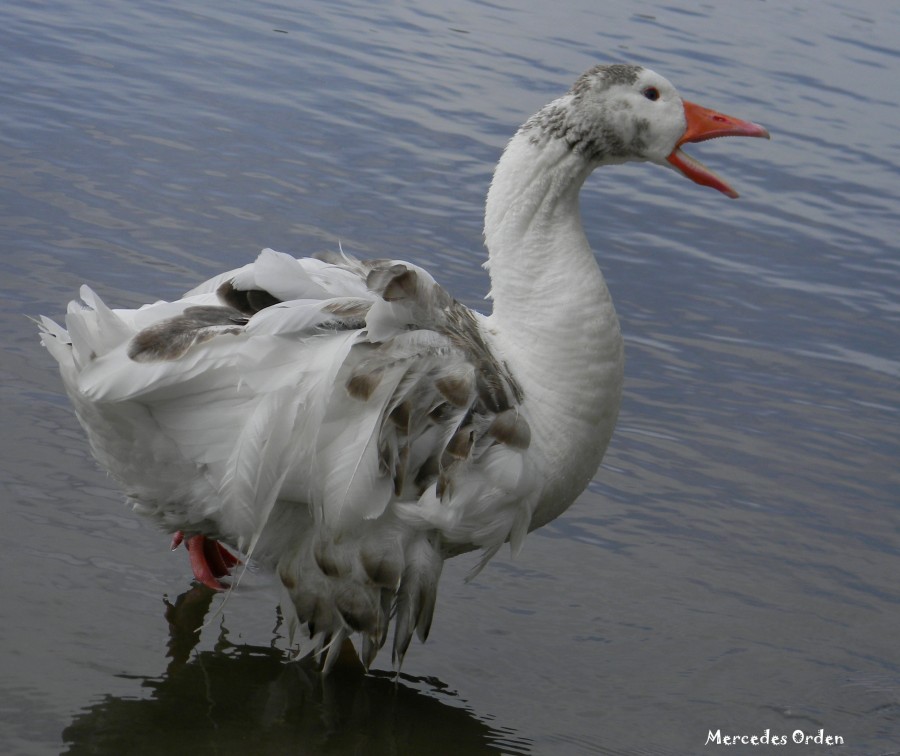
[(210, 560)]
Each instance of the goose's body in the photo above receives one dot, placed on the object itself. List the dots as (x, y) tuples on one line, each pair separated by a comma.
[(350, 424)]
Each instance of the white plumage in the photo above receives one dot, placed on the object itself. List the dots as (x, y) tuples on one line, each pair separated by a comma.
[(350, 425)]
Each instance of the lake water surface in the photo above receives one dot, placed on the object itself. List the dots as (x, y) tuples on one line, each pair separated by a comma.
[(734, 566)]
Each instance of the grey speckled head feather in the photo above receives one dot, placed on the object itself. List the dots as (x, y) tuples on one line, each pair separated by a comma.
[(584, 125), (603, 77)]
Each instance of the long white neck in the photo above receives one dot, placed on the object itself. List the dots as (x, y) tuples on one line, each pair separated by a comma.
[(553, 321)]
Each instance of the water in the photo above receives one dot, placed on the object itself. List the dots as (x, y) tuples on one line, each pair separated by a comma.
[(734, 565)]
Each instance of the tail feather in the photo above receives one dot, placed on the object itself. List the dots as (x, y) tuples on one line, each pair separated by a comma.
[(414, 607)]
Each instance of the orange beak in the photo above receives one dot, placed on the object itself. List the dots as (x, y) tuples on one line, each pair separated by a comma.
[(703, 124)]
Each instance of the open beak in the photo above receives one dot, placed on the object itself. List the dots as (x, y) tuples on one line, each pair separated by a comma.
[(703, 124)]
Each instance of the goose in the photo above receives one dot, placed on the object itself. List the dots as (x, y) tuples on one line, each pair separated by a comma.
[(349, 425)]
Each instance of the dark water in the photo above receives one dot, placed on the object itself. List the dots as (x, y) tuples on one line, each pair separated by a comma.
[(734, 566)]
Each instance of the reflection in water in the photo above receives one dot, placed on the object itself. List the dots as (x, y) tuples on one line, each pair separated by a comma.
[(249, 699)]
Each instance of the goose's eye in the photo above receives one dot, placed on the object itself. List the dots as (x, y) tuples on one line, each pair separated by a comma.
[(651, 93)]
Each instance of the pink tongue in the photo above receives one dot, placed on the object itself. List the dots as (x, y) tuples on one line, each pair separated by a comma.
[(699, 173)]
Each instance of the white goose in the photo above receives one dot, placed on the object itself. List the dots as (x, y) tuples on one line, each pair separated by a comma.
[(348, 423)]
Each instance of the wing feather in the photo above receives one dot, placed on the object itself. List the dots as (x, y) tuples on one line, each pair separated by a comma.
[(257, 467), (353, 485)]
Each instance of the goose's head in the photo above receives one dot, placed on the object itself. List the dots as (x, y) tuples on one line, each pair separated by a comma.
[(616, 113)]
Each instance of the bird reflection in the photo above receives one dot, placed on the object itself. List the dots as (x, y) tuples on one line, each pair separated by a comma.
[(240, 698)]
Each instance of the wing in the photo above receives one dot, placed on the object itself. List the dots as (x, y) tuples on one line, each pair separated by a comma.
[(358, 388)]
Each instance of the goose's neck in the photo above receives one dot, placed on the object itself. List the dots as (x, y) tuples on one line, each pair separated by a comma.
[(553, 320), (537, 250)]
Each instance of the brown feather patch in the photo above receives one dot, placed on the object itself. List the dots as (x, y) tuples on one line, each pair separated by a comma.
[(461, 442), (248, 302), (401, 414), (383, 567), (363, 385), (401, 287), (400, 470), (393, 283), (170, 339), (512, 429), (456, 389), (427, 474), (328, 558)]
